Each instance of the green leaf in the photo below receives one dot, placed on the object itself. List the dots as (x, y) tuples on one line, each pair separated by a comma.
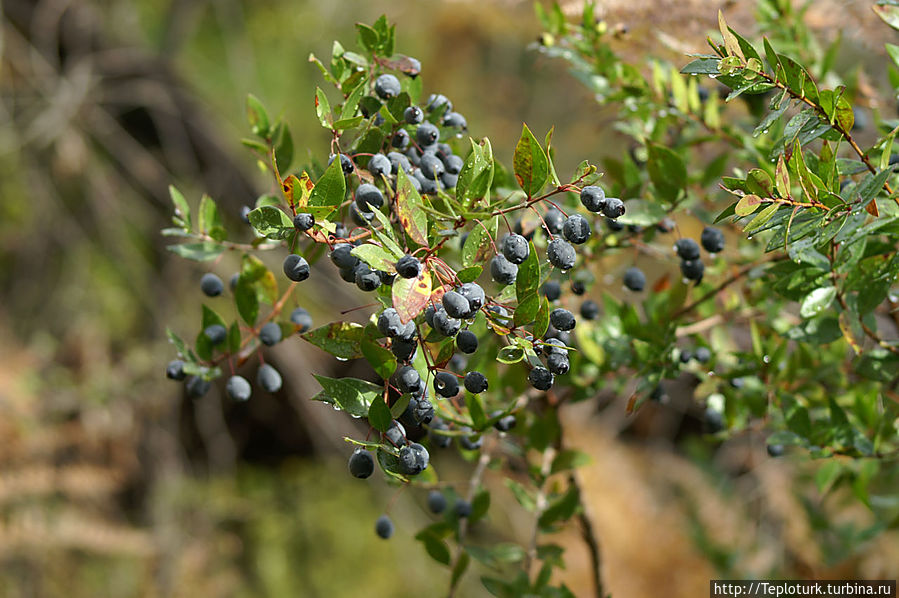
[(817, 301), (411, 295), (409, 210), (348, 123), (257, 116), (510, 354), (181, 218), (701, 66), (380, 359), (469, 274), (782, 178), (329, 191), (271, 222), (561, 509), (460, 567), (888, 12), (233, 338), (569, 459), (434, 546), (528, 278), (284, 149), (480, 504), (341, 339), (375, 256), (521, 494), (210, 220), (747, 205), (246, 300), (527, 309), (351, 105), (476, 411), (761, 219), (478, 244), (667, 171), (476, 175), (348, 394), (541, 320), (399, 406), (529, 163), (379, 414), (323, 109), (176, 340), (199, 252)]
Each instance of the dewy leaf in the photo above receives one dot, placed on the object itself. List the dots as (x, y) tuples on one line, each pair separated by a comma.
[(375, 256), (348, 394), (271, 222), (379, 414), (530, 164), (257, 116), (410, 295), (667, 171), (210, 220), (409, 210), (476, 175), (341, 339), (478, 244), (323, 109), (817, 301), (329, 191), (182, 209)]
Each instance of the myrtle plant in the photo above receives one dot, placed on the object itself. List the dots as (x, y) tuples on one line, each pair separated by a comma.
[(488, 315)]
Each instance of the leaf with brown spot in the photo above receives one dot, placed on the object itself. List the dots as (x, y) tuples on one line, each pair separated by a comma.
[(297, 190), (410, 295)]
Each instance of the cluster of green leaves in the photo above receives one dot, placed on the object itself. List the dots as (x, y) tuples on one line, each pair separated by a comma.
[(803, 192), (815, 277)]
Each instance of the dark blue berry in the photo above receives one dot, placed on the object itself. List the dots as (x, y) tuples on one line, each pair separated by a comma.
[(562, 319), (467, 341), (475, 382), (296, 268), (361, 464), (593, 198), (712, 240), (270, 334), (211, 285), (384, 527), (540, 378), (686, 249), (502, 270), (576, 229), (268, 378), (303, 221), (238, 388), (634, 279), (561, 254), (387, 86), (515, 248)]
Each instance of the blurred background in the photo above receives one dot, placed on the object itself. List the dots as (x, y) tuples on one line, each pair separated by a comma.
[(112, 483)]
